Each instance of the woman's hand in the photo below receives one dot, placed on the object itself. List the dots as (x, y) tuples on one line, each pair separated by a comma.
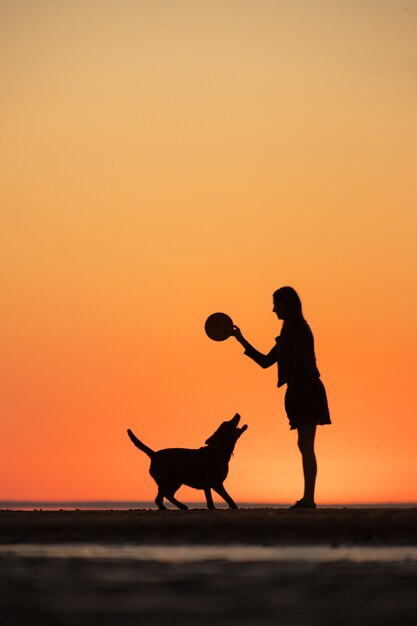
[(237, 334), (240, 338)]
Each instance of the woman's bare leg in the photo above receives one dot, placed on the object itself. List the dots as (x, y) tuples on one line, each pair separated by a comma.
[(306, 436)]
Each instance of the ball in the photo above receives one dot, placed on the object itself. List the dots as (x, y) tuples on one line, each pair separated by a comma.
[(218, 326)]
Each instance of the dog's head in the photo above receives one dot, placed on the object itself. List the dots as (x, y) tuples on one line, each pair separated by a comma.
[(227, 433)]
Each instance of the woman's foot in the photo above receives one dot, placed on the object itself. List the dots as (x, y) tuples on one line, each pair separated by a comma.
[(303, 504)]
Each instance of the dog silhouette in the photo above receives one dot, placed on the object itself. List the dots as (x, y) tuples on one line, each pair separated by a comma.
[(203, 468)]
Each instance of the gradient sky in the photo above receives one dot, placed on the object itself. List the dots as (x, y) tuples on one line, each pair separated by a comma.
[(161, 160)]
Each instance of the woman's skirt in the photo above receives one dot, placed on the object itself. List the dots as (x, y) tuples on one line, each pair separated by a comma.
[(306, 403)]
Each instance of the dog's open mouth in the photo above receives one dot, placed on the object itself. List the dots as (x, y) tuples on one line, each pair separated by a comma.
[(227, 431), (236, 420)]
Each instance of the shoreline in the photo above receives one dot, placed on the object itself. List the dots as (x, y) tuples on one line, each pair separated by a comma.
[(128, 505), (266, 527)]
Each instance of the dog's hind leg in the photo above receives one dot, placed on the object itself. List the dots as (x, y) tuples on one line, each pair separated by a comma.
[(223, 493), (170, 496), (167, 491), (209, 499), (159, 500)]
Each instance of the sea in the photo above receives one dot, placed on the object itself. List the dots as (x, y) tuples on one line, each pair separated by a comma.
[(125, 505)]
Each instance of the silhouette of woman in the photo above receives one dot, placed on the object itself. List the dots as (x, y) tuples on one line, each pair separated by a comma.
[(305, 398)]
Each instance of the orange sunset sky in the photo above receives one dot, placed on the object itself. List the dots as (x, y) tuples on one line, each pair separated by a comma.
[(162, 160)]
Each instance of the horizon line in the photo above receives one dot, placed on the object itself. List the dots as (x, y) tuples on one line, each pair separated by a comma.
[(83, 502)]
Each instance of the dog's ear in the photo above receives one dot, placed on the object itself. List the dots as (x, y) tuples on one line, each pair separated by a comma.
[(210, 439), (216, 432)]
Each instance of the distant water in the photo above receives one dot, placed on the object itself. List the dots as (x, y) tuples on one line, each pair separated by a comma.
[(30, 505), (106, 505)]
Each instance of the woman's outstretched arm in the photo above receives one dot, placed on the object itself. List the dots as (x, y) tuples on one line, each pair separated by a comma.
[(264, 360)]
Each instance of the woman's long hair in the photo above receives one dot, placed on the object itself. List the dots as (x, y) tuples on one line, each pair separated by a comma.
[(291, 301)]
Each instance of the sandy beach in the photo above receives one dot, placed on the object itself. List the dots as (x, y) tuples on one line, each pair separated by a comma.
[(396, 526), (83, 587)]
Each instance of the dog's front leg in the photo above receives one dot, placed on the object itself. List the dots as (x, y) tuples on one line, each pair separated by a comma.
[(223, 493), (209, 499)]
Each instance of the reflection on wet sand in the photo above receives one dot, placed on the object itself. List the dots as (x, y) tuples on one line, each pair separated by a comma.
[(234, 553)]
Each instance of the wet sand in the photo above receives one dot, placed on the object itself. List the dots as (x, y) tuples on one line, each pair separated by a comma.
[(100, 591)]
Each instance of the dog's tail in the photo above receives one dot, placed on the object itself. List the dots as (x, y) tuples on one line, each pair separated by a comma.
[(139, 444)]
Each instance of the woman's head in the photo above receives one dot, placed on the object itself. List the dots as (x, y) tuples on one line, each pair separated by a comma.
[(287, 304)]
